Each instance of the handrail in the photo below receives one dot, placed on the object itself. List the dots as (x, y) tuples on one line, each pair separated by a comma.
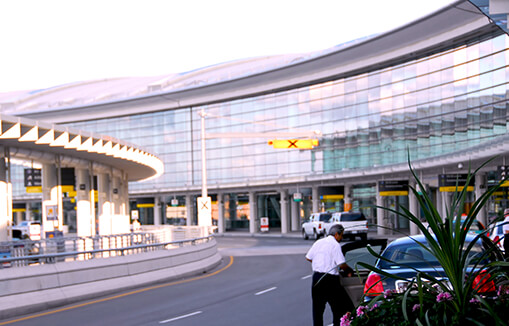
[(90, 254)]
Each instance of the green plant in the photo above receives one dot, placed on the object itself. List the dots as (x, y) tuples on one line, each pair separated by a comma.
[(446, 241)]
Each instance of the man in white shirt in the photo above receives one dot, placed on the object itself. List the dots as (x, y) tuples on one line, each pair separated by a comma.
[(326, 258)]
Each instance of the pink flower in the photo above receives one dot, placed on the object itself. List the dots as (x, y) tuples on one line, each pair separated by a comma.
[(416, 307), (474, 300), (345, 320), (376, 305), (445, 296), (388, 293), (362, 310)]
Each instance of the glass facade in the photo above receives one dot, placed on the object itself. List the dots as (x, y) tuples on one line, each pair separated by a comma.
[(430, 106)]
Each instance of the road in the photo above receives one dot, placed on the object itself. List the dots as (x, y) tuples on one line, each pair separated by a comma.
[(261, 281)]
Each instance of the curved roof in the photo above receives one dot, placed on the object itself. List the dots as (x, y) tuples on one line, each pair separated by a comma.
[(456, 23), (41, 142)]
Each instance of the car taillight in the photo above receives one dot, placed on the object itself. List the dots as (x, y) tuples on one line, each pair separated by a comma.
[(482, 283), (319, 225), (495, 240), (373, 286)]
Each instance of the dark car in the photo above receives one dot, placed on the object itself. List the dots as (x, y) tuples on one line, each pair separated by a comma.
[(405, 254)]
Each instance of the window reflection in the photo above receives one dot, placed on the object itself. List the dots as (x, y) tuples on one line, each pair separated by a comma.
[(434, 105)]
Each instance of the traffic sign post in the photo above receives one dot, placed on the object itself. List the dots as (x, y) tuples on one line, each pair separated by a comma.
[(204, 211), (264, 224)]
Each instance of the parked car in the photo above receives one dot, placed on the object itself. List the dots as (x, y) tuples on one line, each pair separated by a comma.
[(405, 252), (355, 223), (476, 227), (29, 229), (496, 234), (314, 226)]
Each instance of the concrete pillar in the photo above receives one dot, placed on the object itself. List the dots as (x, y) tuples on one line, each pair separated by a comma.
[(189, 209), (120, 217), (414, 209), (5, 219), (315, 199), (85, 221), (157, 210), (348, 198), (284, 212), (295, 206), (380, 213), (104, 204), (220, 214), (439, 204), (253, 218), (28, 213), (480, 185), (49, 199), (445, 204)]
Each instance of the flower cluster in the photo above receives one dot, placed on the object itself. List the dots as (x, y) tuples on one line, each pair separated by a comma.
[(393, 308), (444, 296)]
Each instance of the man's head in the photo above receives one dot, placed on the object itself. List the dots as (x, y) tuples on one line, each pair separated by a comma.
[(337, 231)]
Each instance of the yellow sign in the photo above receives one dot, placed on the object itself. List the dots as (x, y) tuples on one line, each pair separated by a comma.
[(34, 189), (145, 205), (394, 193), (454, 189), (294, 143), (331, 198)]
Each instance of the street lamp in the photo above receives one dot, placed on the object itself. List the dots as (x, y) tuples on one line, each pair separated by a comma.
[(204, 202)]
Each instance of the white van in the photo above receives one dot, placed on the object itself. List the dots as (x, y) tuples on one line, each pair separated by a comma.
[(355, 224)]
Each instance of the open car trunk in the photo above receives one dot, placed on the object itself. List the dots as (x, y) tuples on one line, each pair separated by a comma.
[(357, 252)]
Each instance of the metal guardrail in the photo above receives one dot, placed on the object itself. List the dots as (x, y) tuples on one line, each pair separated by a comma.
[(53, 250)]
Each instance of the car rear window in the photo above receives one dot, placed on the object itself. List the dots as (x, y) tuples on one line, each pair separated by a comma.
[(412, 254), (325, 217), (350, 217)]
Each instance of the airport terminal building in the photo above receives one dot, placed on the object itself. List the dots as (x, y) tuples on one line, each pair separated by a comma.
[(435, 90)]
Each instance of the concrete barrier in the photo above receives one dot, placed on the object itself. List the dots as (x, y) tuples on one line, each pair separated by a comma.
[(31, 289)]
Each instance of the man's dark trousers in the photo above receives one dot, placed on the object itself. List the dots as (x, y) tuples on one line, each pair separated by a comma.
[(327, 289)]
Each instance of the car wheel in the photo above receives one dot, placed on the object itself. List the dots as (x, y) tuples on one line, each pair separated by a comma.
[(315, 235), (304, 235), (364, 236)]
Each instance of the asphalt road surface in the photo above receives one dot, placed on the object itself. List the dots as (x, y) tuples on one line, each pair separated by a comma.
[(261, 281)]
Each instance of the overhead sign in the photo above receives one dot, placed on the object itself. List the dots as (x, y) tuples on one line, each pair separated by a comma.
[(393, 188), (454, 182), (294, 143), (204, 211), (297, 197), (33, 178)]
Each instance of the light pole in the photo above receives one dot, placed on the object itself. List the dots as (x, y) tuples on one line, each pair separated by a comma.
[(203, 157), (204, 202)]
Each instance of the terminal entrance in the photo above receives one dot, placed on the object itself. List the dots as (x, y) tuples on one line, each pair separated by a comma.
[(269, 206)]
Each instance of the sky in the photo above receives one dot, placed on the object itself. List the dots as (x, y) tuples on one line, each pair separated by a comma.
[(46, 43)]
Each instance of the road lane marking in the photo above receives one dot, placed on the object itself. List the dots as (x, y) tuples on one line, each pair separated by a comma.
[(180, 317), (265, 291), (119, 296), (306, 277)]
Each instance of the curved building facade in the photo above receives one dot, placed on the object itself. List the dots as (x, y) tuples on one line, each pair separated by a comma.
[(434, 91)]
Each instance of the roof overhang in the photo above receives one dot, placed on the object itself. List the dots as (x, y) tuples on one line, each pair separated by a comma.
[(41, 142)]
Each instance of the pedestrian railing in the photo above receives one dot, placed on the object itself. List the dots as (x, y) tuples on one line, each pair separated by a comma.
[(62, 249)]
